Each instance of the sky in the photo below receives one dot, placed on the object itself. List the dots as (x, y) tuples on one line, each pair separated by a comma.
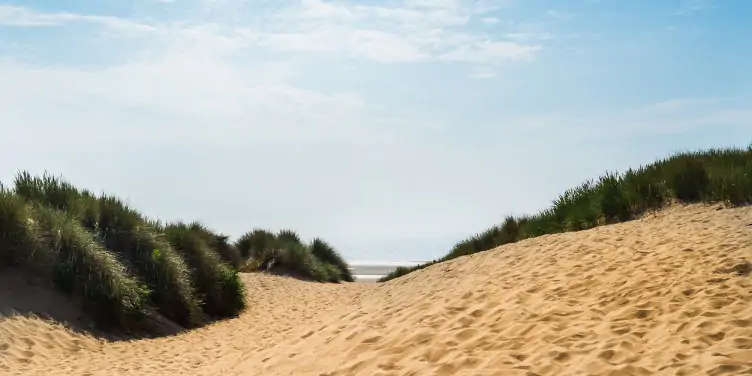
[(392, 129)]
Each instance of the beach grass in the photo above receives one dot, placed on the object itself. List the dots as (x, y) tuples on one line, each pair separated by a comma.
[(121, 266), (714, 175), (286, 251)]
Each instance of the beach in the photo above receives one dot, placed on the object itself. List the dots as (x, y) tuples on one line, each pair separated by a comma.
[(668, 294)]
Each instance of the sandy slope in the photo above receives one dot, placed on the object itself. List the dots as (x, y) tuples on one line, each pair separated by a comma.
[(658, 296)]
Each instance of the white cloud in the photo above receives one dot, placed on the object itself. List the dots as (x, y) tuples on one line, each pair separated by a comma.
[(490, 20), (480, 73), (18, 16), (318, 9), (491, 52), (373, 45), (529, 36), (411, 32), (677, 104), (384, 47), (15, 16), (688, 7), (558, 14), (198, 96)]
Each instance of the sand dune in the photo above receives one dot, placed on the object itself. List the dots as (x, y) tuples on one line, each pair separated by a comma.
[(670, 294)]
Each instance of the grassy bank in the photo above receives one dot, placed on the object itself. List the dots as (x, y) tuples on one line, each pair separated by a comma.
[(122, 267), (716, 175)]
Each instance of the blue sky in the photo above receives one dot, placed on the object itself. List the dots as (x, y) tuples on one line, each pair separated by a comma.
[(391, 128)]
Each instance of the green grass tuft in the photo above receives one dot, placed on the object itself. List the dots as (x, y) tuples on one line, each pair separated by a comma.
[(289, 236), (253, 244), (89, 271), (285, 251), (327, 254), (219, 243), (216, 283)]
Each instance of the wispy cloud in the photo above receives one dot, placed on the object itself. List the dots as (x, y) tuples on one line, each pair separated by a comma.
[(677, 104), (689, 7), (411, 32), (15, 16), (481, 73), (491, 52), (559, 14)]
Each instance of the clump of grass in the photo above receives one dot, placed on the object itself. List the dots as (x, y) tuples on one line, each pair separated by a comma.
[(297, 258), (217, 284), (125, 232), (288, 236), (219, 243), (51, 244), (703, 176), (286, 251), (689, 180), (89, 271), (336, 265), (254, 244), (19, 241)]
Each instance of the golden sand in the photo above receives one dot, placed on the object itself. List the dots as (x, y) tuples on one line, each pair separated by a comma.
[(669, 294)]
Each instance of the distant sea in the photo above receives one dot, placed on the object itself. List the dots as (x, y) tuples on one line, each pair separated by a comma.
[(371, 271)]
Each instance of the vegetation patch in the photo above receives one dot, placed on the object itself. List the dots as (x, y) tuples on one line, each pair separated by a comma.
[(216, 284), (122, 267), (286, 252), (715, 175)]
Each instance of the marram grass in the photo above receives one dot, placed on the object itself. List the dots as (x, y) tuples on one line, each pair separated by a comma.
[(121, 266), (215, 282), (53, 245), (126, 233), (715, 175), (286, 251)]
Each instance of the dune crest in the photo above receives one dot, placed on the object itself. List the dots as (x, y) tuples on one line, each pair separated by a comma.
[(669, 294)]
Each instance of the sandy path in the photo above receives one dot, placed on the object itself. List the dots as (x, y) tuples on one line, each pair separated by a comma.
[(638, 298), (278, 306)]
